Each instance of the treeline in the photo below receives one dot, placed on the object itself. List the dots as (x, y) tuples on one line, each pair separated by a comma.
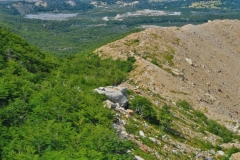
[(62, 5), (85, 33), (48, 107), (230, 4)]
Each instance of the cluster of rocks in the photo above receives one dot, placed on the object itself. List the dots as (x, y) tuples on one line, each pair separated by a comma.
[(209, 155), (117, 100), (118, 124)]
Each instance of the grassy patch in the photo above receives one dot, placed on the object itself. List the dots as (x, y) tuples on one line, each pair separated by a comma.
[(132, 42), (132, 127), (199, 143), (169, 58), (179, 92)]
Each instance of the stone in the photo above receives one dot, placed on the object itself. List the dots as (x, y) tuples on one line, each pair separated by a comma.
[(178, 147), (114, 126), (155, 140), (115, 95), (157, 155), (137, 91), (164, 138), (208, 98), (145, 125), (141, 133), (199, 155), (221, 153), (123, 90), (144, 148), (212, 152), (235, 156), (123, 134), (174, 151), (120, 109), (109, 104), (130, 112), (189, 61), (138, 158)]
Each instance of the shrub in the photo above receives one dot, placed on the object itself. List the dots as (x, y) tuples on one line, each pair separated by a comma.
[(165, 116), (144, 108), (184, 104), (219, 130), (131, 127)]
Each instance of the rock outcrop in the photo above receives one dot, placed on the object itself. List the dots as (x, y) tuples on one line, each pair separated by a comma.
[(114, 94), (235, 156)]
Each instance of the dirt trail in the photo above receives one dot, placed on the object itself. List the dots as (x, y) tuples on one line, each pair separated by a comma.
[(211, 83)]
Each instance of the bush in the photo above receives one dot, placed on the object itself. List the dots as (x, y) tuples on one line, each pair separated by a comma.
[(144, 108), (220, 130), (127, 66), (165, 116), (200, 116), (131, 127), (184, 104)]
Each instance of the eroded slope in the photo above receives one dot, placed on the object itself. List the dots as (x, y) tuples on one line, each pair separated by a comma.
[(211, 83)]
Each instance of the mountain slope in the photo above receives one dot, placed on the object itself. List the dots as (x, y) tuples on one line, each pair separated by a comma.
[(48, 107), (214, 50), (199, 64), (49, 110)]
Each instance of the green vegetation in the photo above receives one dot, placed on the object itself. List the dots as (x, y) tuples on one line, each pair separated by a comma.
[(230, 152), (133, 42), (63, 6), (87, 31), (48, 107), (169, 58), (184, 104), (207, 124), (144, 108), (204, 145)]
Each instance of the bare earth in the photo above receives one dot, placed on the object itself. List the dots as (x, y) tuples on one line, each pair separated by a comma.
[(210, 84)]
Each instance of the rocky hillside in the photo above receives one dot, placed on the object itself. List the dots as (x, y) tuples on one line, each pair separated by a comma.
[(210, 80), (196, 63)]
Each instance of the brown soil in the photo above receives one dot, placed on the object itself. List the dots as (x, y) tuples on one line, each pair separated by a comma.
[(211, 83)]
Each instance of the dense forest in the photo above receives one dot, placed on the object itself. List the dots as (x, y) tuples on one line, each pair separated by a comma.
[(48, 107), (63, 5)]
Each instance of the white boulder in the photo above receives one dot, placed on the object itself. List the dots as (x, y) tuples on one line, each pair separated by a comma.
[(114, 94), (138, 158), (141, 133), (189, 61)]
